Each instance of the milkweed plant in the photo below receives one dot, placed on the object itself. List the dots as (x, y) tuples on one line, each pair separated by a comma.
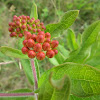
[(76, 71)]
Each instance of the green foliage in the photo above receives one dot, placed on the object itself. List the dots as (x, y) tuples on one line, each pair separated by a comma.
[(71, 40), (83, 85), (88, 38), (65, 22), (52, 89), (34, 11), (28, 70), (13, 52)]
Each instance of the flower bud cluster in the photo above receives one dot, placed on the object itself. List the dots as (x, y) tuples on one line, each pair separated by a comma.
[(36, 42)]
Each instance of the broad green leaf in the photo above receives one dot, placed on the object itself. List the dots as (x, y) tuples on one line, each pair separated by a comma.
[(85, 80), (63, 51), (34, 11), (71, 40), (13, 52), (88, 38), (66, 21), (90, 34), (28, 70), (18, 98), (72, 97), (55, 89)]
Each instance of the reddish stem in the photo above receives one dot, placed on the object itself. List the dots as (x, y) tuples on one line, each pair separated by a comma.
[(35, 77), (34, 74), (16, 94)]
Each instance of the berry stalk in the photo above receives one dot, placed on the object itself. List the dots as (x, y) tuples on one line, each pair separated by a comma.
[(35, 77)]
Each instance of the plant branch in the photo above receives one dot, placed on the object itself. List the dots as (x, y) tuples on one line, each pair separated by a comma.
[(35, 77), (4, 63), (16, 94)]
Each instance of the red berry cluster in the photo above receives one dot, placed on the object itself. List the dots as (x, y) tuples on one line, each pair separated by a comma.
[(37, 43)]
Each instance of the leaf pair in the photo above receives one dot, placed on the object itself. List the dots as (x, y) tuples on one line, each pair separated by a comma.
[(85, 81)]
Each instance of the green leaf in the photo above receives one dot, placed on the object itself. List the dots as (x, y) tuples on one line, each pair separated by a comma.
[(20, 91), (18, 98), (34, 11), (53, 61), (13, 52), (90, 34), (63, 51), (79, 39), (71, 40), (88, 38), (28, 70), (85, 80), (65, 22), (55, 89), (72, 97)]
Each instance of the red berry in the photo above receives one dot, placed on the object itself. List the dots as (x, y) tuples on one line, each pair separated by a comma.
[(40, 55), (42, 23), (11, 35), (33, 25), (33, 18), (27, 35), (25, 50), (17, 19), (43, 27), (31, 54), (50, 53), (24, 17), (37, 21), (14, 34), (48, 40), (28, 17), (23, 21), (18, 23), (14, 16), (47, 35), (38, 30), (18, 30), (34, 30), (11, 29), (29, 28), (38, 25), (37, 47), (33, 37), (56, 51), (10, 23), (20, 17), (23, 27), (40, 38), (25, 43), (54, 44), (30, 43), (31, 21), (46, 46), (41, 33), (13, 25), (20, 35)]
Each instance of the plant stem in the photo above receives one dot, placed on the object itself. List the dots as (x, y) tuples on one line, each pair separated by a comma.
[(35, 77), (16, 94)]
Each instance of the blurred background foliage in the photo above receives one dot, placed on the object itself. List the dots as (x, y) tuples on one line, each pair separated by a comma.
[(49, 11)]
